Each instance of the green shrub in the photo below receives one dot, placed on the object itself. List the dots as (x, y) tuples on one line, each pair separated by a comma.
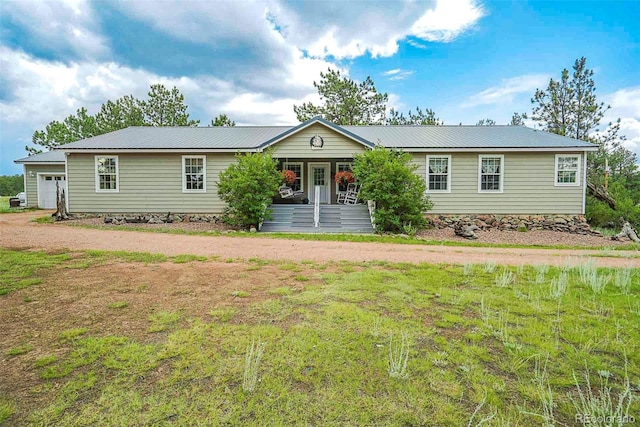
[(599, 214), (388, 178), (248, 187)]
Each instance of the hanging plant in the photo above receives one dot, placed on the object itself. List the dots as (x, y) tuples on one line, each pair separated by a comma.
[(344, 178), (288, 177)]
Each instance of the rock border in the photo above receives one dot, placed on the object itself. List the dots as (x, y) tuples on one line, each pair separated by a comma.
[(576, 224), (150, 218)]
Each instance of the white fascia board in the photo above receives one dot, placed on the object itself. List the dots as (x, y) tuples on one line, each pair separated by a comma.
[(40, 163), (157, 150), (496, 150)]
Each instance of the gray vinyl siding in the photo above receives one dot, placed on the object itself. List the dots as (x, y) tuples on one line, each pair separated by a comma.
[(32, 182), (528, 186), (335, 145), (148, 182)]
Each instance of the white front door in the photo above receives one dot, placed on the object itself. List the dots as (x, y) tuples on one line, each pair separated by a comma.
[(319, 175), (47, 190)]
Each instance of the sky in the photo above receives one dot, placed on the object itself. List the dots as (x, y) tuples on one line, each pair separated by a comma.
[(465, 59)]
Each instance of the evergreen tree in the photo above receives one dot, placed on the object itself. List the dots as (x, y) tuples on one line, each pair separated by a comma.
[(420, 118), (222, 120), (345, 102), (568, 106), (166, 107)]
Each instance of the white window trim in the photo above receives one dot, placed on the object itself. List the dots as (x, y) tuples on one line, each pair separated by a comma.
[(491, 156), (97, 176), (285, 166), (436, 156), (555, 172), (204, 174)]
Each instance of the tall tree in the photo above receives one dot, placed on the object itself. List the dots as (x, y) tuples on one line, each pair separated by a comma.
[(568, 106), (73, 128), (420, 118), (166, 107), (621, 162), (163, 108), (518, 119), (486, 122), (122, 113), (222, 120), (345, 102)]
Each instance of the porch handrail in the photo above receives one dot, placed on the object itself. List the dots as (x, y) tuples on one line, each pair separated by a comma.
[(371, 204), (316, 207)]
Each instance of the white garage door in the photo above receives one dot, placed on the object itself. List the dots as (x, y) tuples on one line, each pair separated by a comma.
[(47, 190)]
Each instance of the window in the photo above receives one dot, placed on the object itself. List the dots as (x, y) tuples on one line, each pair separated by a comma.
[(297, 169), (567, 170), (439, 174), (106, 174), (490, 173), (194, 174)]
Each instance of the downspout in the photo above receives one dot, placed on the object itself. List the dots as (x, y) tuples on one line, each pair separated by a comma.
[(24, 183), (584, 182), (66, 182)]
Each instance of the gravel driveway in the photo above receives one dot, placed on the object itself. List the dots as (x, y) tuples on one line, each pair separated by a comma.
[(17, 231)]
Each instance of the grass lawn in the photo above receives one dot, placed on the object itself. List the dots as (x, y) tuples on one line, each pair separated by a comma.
[(4, 206), (337, 237), (102, 338)]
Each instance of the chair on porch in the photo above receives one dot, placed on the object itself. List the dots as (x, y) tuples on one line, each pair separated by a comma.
[(351, 196)]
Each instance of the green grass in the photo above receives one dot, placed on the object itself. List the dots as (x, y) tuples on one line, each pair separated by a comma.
[(21, 349), (4, 206), (163, 320), (47, 219), (368, 238), (7, 409), (21, 269), (118, 305), (470, 340), (182, 259), (145, 257)]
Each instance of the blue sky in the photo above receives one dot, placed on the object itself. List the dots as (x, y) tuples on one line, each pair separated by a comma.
[(465, 59)]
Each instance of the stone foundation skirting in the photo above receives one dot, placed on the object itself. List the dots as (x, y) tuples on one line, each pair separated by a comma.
[(151, 218), (566, 223)]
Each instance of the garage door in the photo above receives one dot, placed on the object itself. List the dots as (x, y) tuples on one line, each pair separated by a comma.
[(47, 190)]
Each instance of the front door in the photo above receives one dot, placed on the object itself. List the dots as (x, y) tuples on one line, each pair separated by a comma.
[(319, 175)]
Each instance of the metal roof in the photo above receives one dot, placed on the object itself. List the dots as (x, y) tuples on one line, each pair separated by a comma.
[(54, 156), (181, 138), (257, 137), (425, 137)]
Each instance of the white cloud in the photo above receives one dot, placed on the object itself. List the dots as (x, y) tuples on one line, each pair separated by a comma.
[(59, 25), (624, 102), (630, 127), (625, 105), (321, 29), (508, 89), (43, 90), (447, 20), (397, 74), (416, 44)]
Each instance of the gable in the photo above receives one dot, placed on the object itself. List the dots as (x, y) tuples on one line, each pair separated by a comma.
[(298, 144)]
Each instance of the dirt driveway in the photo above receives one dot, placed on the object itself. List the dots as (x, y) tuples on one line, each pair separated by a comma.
[(17, 230)]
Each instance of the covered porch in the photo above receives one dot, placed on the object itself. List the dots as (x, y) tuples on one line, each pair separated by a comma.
[(319, 172)]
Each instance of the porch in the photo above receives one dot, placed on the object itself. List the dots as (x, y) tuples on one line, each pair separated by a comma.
[(317, 172), (332, 219)]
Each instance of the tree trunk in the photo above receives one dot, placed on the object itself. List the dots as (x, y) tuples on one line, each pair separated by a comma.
[(627, 231), (601, 194), (61, 204)]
